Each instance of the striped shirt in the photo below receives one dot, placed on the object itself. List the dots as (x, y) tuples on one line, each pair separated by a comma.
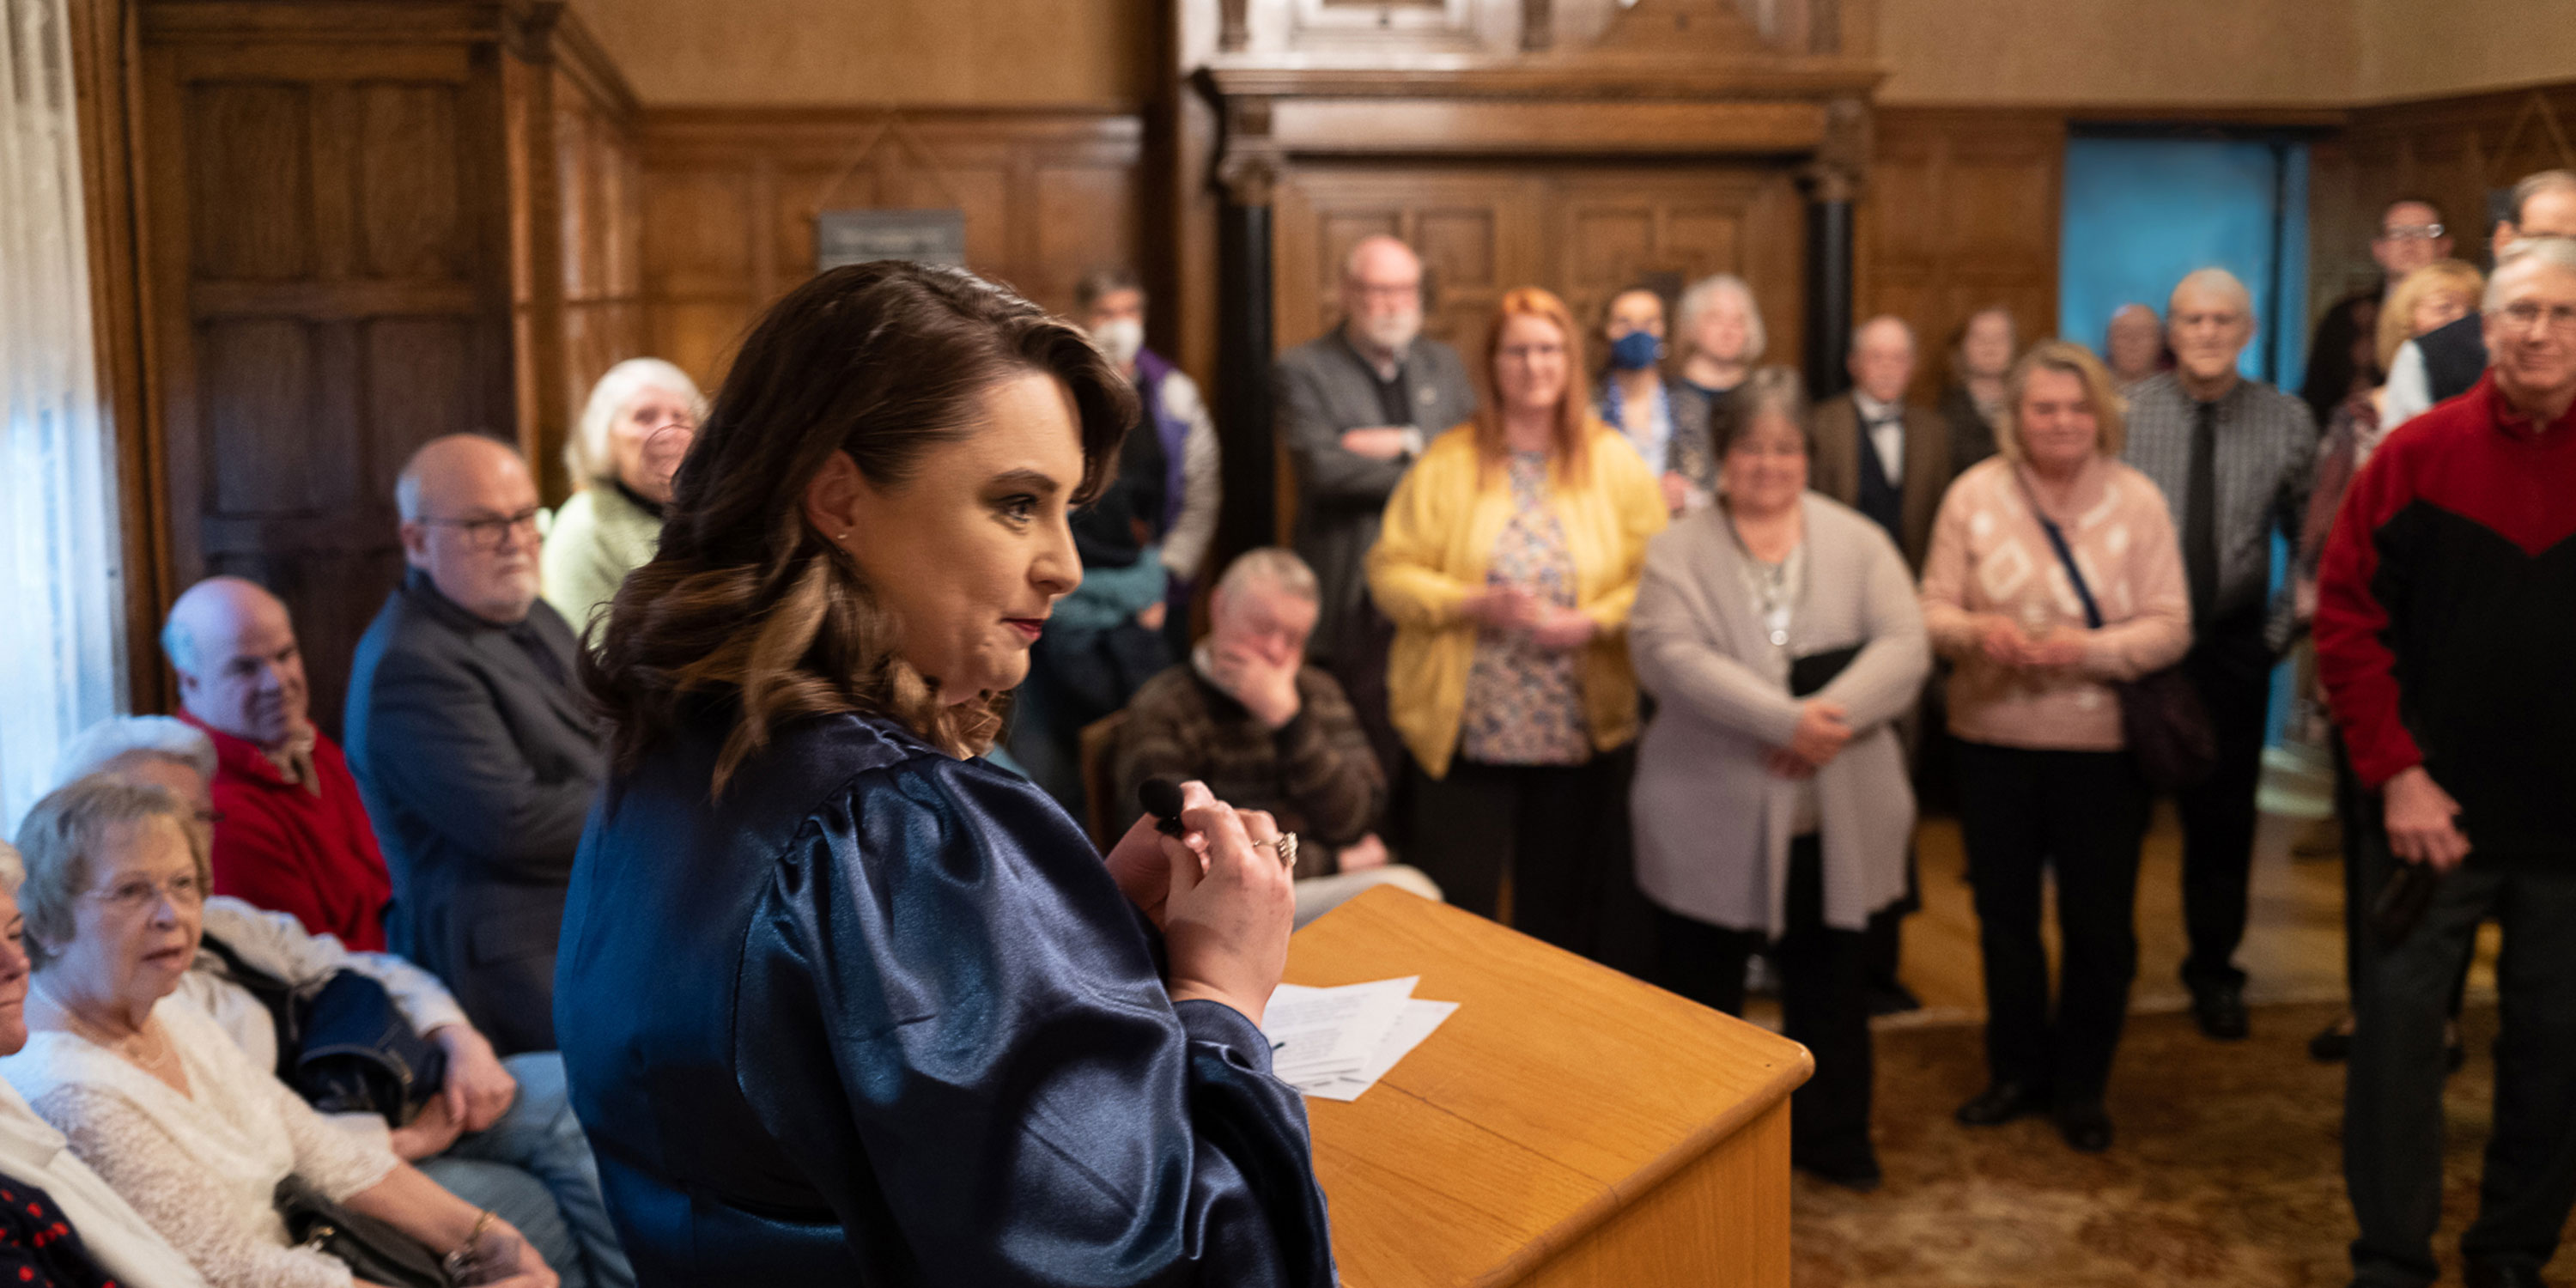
[(2266, 447)]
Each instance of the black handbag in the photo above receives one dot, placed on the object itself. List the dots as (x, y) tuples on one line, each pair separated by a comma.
[(2162, 717), (374, 1251), (1814, 671), (344, 1047)]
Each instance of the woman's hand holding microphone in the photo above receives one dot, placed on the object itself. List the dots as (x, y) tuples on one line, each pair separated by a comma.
[(1222, 892)]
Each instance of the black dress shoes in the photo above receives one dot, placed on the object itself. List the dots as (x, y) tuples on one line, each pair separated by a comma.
[(2086, 1128), (2001, 1103), (2504, 1274), (2220, 1008)]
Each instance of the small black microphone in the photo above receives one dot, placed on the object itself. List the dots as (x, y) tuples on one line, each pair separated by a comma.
[(1161, 798)]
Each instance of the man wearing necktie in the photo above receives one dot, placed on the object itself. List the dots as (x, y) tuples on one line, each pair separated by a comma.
[(477, 756), (2235, 458)]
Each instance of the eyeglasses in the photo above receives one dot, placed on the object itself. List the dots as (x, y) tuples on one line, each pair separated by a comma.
[(135, 894), (2410, 232), (1530, 352), (493, 532), (2525, 314)]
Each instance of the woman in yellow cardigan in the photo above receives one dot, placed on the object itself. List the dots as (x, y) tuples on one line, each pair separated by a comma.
[(1507, 561)]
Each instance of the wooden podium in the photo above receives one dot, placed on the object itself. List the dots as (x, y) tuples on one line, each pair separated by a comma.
[(1568, 1125)]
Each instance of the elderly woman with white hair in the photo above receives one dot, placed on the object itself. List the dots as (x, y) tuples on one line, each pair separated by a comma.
[(498, 1134), (633, 432), (108, 1241), (150, 1092), (1718, 326)]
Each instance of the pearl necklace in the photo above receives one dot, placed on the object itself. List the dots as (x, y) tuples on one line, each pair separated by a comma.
[(164, 1066)]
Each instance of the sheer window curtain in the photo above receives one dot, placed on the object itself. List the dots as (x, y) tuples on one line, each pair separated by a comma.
[(62, 662)]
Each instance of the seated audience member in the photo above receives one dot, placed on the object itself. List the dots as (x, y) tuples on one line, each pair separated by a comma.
[(1265, 731), (633, 432), (2045, 780), (477, 757), (151, 1093), (1721, 336), (1105, 640), (2443, 363), (501, 1135), (71, 1229), (1355, 407), (2446, 637), (1781, 639), (2133, 345), (1638, 401), (1980, 353), (1508, 560), (1111, 304), (291, 828)]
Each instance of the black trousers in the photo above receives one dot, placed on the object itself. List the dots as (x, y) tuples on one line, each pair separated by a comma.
[(1560, 831), (2393, 1116), (1824, 1004), (2083, 814), (2232, 670)]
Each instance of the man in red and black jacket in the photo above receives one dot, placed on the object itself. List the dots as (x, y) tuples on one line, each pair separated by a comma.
[(2446, 636)]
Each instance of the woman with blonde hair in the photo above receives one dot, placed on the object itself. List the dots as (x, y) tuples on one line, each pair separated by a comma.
[(633, 432), (2054, 575), (1508, 560)]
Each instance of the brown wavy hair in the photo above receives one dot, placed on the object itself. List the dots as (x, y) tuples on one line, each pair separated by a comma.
[(1575, 423), (746, 600)]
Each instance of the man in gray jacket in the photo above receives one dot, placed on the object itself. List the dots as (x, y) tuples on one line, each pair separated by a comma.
[(477, 757), (1355, 407)]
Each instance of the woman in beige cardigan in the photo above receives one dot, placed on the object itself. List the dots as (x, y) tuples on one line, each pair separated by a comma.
[(1781, 639), (2044, 777)]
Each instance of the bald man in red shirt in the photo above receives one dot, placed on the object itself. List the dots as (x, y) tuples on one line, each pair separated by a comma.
[(291, 832)]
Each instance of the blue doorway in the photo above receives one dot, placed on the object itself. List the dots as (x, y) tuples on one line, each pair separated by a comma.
[(2141, 212)]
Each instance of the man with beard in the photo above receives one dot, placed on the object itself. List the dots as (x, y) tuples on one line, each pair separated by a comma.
[(290, 831), (1355, 407), (476, 755)]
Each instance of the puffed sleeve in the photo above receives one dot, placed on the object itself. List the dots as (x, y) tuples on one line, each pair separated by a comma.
[(1020, 1101)]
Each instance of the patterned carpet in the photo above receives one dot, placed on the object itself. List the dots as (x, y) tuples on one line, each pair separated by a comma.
[(2226, 1170)]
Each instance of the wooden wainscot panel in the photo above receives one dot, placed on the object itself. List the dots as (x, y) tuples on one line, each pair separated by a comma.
[(730, 199), (326, 241), (1449, 127)]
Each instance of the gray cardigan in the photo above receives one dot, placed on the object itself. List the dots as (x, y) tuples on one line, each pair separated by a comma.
[(1712, 822)]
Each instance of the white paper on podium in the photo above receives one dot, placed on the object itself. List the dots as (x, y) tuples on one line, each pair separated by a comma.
[(1326, 1032), (1335, 1043)]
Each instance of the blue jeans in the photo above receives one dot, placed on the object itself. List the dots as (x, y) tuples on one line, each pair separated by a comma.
[(535, 1161)]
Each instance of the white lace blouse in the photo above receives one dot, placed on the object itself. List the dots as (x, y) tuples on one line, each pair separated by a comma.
[(202, 1168)]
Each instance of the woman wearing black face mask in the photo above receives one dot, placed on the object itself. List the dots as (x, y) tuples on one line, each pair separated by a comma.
[(1637, 402)]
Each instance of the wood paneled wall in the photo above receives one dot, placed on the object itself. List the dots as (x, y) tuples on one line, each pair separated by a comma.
[(1585, 232), (730, 197), (1961, 213), (328, 255), (576, 155), (2455, 151)]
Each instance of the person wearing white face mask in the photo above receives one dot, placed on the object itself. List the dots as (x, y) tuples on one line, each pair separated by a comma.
[(1111, 304), (1355, 407)]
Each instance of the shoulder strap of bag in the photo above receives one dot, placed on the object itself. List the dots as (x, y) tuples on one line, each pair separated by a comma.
[(273, 993), (2065, 555)]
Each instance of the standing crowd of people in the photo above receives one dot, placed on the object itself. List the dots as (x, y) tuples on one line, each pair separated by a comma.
[(1602, 627)]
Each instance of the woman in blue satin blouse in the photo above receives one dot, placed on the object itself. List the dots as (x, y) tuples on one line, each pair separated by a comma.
[(840, 1001)]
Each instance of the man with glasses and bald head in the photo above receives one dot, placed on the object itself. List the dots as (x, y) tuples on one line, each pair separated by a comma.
[(477, 756)]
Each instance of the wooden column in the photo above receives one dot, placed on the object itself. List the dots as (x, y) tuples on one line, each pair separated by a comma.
[(1833, 182), (1248, 173)]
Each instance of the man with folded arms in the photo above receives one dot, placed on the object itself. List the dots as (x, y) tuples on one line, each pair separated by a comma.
[(291, 832), (2446, 637)]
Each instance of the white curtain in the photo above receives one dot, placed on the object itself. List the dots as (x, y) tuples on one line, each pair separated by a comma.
[(62, 657)]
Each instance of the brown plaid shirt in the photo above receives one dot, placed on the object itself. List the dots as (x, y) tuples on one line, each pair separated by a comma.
[(1316, 774)]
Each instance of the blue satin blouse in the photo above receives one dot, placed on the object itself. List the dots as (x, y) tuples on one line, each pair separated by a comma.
[(880, 1016)]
